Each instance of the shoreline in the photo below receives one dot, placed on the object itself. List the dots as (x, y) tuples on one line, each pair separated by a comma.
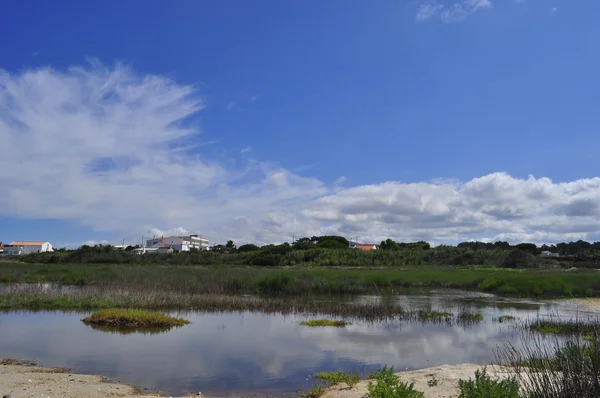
[(25, 378)]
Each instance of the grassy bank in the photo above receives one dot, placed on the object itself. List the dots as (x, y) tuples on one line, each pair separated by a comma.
[(271, 281)]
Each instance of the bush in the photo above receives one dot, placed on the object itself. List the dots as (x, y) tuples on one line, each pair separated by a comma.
[(275, 284), (389, 385), (485, 387)]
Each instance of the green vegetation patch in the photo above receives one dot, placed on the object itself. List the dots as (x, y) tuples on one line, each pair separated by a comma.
[(133, 318), (485, 387), (466, 316), (314, 392), (332, 378), (506, 318), (325, 322), (570, 327), (386, 384)]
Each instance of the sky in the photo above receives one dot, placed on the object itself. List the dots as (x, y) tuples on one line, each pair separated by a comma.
[(443, 121)]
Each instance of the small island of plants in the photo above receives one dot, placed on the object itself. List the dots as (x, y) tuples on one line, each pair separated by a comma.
[(133, 318), (324, 322)]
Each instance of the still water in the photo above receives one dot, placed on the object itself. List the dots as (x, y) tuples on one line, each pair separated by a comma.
[(267, 355)]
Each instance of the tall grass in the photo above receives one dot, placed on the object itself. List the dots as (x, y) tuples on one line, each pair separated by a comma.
[(272, 281), (557, 366)]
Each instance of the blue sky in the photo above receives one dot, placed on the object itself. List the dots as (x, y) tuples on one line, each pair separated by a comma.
[(408, 119)]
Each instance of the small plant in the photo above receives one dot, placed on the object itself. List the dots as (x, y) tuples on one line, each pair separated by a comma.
[(466, 316), (434, 316), (506, 318), (389, 385), (485, 387), (350, 378), (324, 322), (122, 317), (433, 381), (314, 392)]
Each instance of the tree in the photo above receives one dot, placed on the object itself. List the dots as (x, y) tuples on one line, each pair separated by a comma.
[(247, 248), (332, 244), (389, 244), (528, 247)]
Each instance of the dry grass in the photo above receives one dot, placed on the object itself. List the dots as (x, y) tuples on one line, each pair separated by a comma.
[(133, 318)]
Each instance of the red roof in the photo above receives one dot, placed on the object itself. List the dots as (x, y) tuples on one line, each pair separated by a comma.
[(366, 246), (25, 243)]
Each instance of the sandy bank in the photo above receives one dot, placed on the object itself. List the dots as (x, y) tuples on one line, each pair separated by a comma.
[(18, 379), (447, 377)]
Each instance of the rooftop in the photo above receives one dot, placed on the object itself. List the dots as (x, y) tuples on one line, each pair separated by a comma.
[(26, 243)]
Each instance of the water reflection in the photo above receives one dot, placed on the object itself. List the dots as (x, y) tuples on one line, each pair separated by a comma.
[(254, 352), (128, 330)]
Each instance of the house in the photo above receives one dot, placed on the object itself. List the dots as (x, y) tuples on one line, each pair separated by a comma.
[(547, 253), (179, 243), (365, 246), (1, 247), (18, 248)]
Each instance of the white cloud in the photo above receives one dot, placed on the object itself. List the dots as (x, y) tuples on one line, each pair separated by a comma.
[(102, 147), (428, 10), (453, 12), (246, 149)]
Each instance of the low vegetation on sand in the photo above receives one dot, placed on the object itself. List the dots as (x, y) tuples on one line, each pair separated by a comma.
[(333, 378), (133, 318), (386, 384), (485, 387), (324, 322), (562, 327)]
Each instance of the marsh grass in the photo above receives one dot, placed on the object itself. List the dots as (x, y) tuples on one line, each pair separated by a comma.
[(333, 378), (469, 317), (133, 318), (325, 322), (506, 319), (385, 384), (561, 362), (483, 386), (301, 280), (554, 325), (315, 392)]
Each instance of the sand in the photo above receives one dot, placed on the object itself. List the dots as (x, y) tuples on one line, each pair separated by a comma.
[(447, 377), (19, 379)]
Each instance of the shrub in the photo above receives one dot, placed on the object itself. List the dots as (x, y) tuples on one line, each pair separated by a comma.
[(350, 378), (389, 385), (485, 387)]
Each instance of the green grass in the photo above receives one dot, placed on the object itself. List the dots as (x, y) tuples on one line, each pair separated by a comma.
[(133, 318), (302, 280), (333, 378), (485, 387), (565, 327), (386, 384), (315, 392), (434, 315), (465, 316), (324, 322)]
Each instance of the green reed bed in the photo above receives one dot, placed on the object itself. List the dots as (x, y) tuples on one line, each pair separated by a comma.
[(86, 298), (325, 322), (299, 280)]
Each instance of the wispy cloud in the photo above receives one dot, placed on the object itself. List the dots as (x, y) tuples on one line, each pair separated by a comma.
[(452, 12), (96, 146), (246, 149)]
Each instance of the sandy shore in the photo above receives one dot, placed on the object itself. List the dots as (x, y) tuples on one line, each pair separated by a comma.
[(447, 377), (20, 379)]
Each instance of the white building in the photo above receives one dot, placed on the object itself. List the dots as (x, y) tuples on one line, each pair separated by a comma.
[(177, 243), (549, 254), (24, 247)]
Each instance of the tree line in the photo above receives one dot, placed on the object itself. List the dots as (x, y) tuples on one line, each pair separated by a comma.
[(336, 251)]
